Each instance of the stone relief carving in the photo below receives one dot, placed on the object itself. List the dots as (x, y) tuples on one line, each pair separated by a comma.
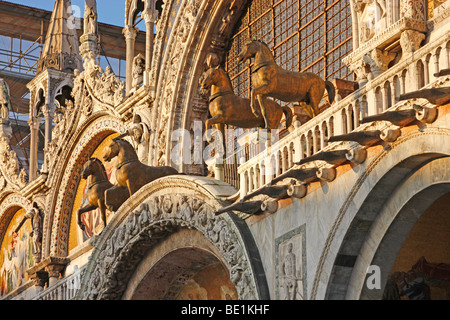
[(95, 84), (154, 220), (178, 46), (15, 176), (5, 102), (291, 265), (372, 14), (414, 9)]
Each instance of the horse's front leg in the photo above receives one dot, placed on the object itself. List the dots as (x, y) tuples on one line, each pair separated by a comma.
[(255, 111), (255, 93), (86, 208), (217, 119), (102, 207), (262, 106)]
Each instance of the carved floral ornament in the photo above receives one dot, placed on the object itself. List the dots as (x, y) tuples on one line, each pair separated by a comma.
[(124, 245)]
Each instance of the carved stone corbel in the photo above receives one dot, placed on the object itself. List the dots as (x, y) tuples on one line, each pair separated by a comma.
[(410, 41), (378, 60)]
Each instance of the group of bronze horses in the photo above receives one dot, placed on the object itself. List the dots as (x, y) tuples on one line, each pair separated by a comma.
[(131, 175), (268, 80), (226, 108)]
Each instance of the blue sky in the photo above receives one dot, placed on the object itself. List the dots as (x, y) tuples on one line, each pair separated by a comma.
[(109, 11)]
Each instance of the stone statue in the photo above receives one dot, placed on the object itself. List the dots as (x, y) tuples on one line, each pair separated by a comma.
[(140, 134), (90, 17), (138, 71), (36, 216), (5, 101)]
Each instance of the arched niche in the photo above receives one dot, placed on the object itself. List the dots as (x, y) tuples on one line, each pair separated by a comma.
[(67, 177), (15, 244), (187, 259)]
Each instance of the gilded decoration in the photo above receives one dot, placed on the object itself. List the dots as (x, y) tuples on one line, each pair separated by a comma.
[(16, 255)]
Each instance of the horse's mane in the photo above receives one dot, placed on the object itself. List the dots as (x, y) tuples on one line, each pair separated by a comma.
[(126, 142), (99, 162), (262, 43)]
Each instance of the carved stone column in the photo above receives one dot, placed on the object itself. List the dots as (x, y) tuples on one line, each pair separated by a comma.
[(150, 17), (48, 270), (130, 33), (54, 273), (34, 123), (47, 110)]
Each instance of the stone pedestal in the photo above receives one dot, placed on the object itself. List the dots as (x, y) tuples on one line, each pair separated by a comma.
[(47, 271), (89, 46)]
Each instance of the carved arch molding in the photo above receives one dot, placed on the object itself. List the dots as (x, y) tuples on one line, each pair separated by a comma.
[(157, 211)]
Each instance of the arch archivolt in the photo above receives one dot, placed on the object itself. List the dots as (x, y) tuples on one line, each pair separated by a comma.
[(419, 147), (67, 176), (159, 210), (399, 214)]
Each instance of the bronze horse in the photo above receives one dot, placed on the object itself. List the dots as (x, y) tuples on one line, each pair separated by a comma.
[(227, 108), (131, 173), (98, 184), (270, 80)]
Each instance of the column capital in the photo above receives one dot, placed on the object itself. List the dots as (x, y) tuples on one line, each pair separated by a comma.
[(130, 32), (47, 111), (149, 15), (34, 122)]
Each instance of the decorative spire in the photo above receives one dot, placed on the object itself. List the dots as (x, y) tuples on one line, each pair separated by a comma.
[(61, 43)]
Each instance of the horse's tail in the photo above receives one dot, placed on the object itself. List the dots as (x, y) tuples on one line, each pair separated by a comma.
[(331, 90), (288, 115)]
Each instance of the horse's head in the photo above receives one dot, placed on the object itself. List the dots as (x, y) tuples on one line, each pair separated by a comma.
[(215, 76), (112, 150), (256, 49), (90, 167), (209, 78), (249, 51)]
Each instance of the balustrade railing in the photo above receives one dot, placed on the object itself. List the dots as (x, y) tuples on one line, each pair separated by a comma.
[(64, 289)]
